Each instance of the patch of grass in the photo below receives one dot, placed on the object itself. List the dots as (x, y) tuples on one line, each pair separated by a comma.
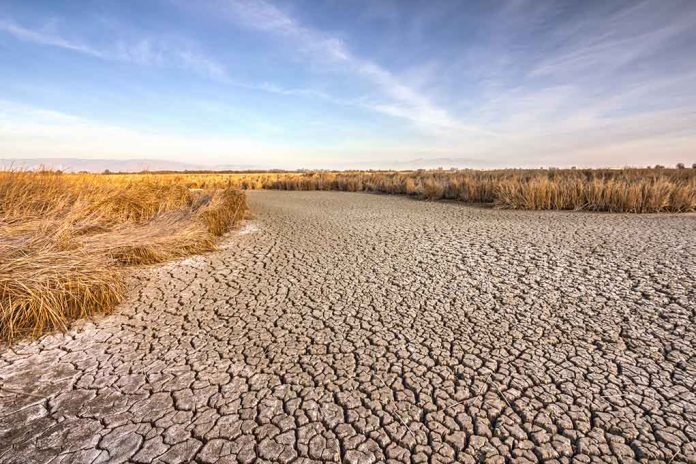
[(66, 240), (223, 211), (43, 289), (630, 190), (626, 190)]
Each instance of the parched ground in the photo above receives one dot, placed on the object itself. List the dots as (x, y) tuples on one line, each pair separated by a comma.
[(364, 328)]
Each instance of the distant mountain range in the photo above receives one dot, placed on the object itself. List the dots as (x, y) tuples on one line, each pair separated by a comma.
[(432, 163), (113, 165), (139, 165)]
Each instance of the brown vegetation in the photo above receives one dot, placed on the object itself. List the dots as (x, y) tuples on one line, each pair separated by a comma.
[(65, 240), (615, 190), (636, 191)]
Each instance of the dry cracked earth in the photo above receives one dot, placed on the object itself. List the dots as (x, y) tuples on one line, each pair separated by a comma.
[(358, 328)]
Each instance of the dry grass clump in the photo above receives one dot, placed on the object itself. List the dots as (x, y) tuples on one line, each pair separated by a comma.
[(43, 289), (631, 192), (223, 210), (65, 240)]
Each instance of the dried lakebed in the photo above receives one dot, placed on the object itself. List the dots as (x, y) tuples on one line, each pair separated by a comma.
[(365, 328)]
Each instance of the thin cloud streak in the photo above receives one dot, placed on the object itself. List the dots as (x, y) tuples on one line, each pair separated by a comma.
[(145, 52), (605, 45), (44, 38), (405, 102)]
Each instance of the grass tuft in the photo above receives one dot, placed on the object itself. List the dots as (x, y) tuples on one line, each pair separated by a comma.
[(223, 211), (43, 289)]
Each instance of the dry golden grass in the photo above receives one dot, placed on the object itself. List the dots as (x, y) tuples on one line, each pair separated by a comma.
[(629, 190), (616, 190), (66, 239)]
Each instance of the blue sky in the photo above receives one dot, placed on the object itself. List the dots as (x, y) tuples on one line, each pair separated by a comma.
[(346, 84)]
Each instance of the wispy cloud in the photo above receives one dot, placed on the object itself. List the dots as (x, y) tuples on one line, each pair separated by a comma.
[(403, 101), (145, 51), (46, 38), (595, 82), (604, 44), (399, 100)]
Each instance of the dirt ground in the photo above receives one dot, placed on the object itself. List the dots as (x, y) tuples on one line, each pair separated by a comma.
[(363, 328)]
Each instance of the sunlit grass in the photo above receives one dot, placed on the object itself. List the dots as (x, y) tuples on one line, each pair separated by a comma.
[(616, 190), (65, 240)]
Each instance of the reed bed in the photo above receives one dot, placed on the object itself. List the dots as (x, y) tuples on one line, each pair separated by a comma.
[(631, 190), (634, 191), (67, 240)]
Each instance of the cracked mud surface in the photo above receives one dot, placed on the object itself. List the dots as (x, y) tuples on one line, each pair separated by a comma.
[(364, 328)]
